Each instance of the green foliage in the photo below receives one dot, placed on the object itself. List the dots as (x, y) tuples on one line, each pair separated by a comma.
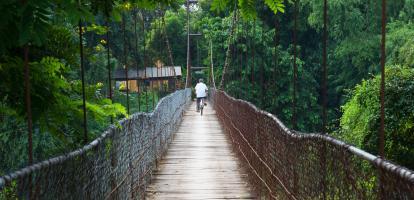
[(400, 43), (48, 84), (99, 30), (277, 78), (9, 193), (219, 5), (49, 29), (354, 41), (8, 25), (141, 102), (36, 18), (407, 50), (24, 23), (152, 4), (361, 119), (276, 5), (248, 8), (175, 28), (61, 43)]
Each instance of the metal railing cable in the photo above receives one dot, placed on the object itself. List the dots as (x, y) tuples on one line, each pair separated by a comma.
[(285, 164), (117, 165)]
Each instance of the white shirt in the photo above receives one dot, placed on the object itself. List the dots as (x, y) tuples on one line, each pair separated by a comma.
[(201, 89)]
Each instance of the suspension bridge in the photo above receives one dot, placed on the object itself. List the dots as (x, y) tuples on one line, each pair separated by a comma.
[(234, 151)]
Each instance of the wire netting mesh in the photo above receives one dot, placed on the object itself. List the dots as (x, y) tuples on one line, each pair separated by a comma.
[(288, 165), (117, 165)]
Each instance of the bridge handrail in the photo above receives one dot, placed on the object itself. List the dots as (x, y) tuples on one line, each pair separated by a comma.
[(234, 110), (403, 172), (169, 108)]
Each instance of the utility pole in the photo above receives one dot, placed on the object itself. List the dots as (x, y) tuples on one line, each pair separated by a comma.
[(188, 79)]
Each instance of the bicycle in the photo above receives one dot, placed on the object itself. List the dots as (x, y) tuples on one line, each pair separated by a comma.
[(201, 106)]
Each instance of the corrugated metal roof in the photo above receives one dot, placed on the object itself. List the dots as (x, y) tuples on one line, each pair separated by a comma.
[(149, 73)]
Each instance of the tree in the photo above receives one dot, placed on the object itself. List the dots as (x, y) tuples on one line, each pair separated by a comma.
[(361, 117), (46, 33)]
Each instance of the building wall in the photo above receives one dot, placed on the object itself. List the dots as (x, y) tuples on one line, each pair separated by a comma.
[(154, 84)]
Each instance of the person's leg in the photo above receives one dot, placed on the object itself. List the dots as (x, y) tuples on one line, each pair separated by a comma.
[(198, 104)]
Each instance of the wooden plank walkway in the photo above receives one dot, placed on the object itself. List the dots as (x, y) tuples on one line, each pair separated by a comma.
[(199, 163)]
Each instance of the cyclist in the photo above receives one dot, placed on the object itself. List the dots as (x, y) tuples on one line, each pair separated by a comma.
[(201, 92)]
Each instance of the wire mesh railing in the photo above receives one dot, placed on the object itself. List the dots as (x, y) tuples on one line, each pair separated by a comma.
[(117, 165), (285, 164)]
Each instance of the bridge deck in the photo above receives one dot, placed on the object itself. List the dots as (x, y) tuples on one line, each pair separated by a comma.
[(199, 163)]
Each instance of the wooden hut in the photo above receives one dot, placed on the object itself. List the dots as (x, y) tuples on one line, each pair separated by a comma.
[(154, 77)]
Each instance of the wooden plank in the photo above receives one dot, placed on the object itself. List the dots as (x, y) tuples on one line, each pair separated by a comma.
[(200, 163)]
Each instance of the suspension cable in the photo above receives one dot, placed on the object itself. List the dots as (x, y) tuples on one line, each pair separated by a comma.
[(324, 95), (228, 52), (324, 64), (160, 50), (212, 64), (262, 78), (108, 62), (294, 120), (82, 70), (152, 70), (237, 56), (382, 91), (275, 52), (233, 63), (167, 42), (381, 145), (29, 112), (241, 59), (136, 59), (253, 44), (248, 46), (125, 60), (144, 53)]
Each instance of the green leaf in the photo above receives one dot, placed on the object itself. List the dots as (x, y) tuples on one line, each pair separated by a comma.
[(275, 5)]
